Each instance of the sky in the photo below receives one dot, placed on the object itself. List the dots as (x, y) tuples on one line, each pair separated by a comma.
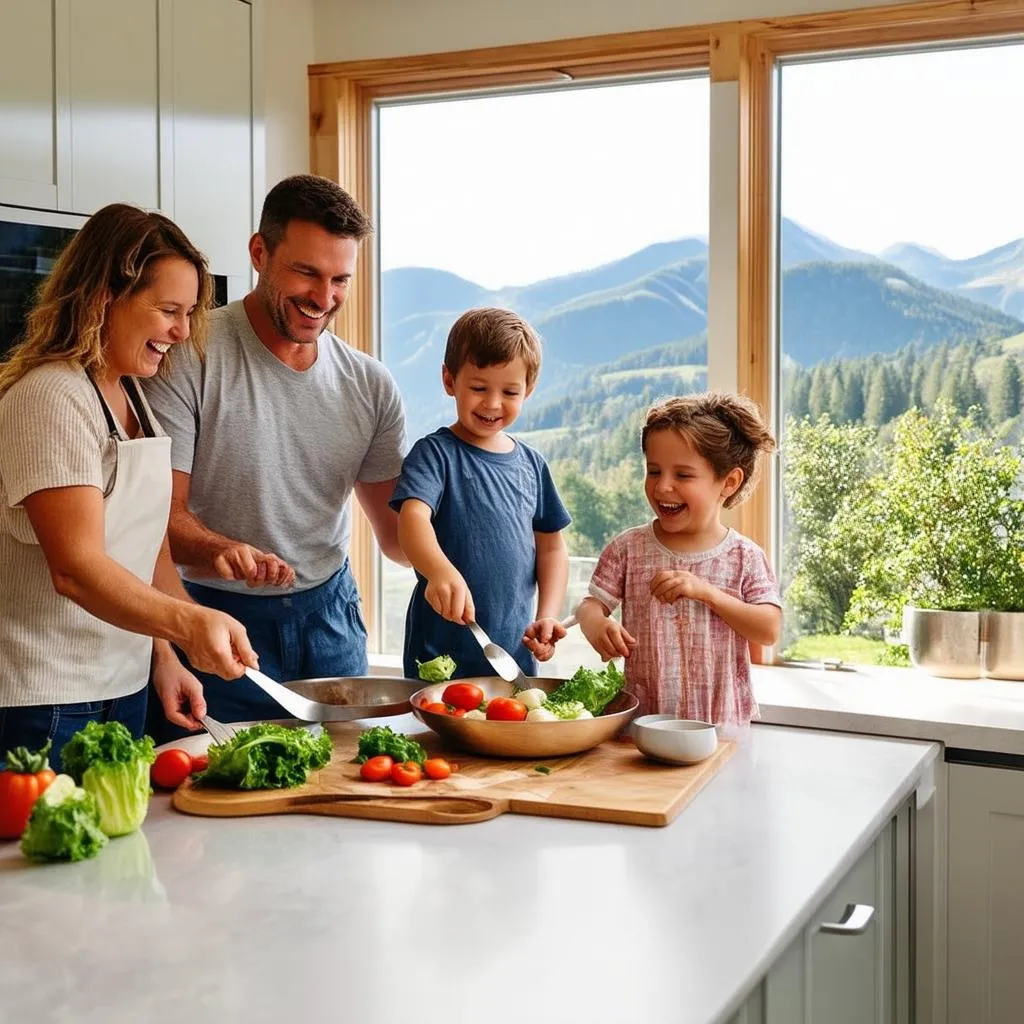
[(506, 190)]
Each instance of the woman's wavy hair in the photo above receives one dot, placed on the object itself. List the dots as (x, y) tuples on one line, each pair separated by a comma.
[(112, 256), (725, 429)]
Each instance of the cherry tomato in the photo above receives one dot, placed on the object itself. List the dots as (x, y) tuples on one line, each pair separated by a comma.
[(457, 712), (406, 773), (436, 706), (376, 769), (463, 695), (171, 768), (200, 762), (505, 709), (437, 768)]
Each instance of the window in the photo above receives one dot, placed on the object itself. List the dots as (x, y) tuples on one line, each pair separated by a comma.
[(901, 287), (585, 209)]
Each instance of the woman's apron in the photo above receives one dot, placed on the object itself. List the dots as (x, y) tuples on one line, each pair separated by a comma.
[(136, 507)]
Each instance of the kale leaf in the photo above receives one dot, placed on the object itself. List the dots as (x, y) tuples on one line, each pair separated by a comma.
[(594, 690), (381, 740)]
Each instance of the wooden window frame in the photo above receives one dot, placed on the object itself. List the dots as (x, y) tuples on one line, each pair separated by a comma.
[(342, 95)]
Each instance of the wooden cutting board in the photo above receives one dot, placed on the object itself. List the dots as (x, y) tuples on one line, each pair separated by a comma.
[(613, 782)]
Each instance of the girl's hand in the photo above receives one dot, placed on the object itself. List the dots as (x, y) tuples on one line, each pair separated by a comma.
[(180, 693), (541, 636), (609, 638), (671, 584), (449, 596)]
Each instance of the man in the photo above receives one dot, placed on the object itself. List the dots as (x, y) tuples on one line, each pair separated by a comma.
[(271, 434)]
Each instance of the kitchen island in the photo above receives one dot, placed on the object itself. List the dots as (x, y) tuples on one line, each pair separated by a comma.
[(517, 919)]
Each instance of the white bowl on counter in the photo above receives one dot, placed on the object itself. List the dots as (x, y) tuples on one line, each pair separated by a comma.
[(674, 740)]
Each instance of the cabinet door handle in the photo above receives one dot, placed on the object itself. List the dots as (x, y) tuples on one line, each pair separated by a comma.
[(854, 921)]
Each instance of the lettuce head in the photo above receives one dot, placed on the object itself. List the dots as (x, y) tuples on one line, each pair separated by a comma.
[(114, 768), (64, 824)]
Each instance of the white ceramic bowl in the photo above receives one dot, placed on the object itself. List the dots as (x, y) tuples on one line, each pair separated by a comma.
[(674, 740)]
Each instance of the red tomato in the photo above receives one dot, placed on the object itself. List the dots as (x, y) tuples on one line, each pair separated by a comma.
[(457, 712), (437, 768), (436, 706), (376, 769), (27, 774), (505, 709), (463, 695), (171, 768), (406, 773), (200, 762)]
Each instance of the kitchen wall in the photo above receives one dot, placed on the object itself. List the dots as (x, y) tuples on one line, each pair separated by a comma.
[(359, 29), (288, 34)]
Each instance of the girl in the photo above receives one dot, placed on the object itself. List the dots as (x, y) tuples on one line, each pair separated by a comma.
[(694, 593)]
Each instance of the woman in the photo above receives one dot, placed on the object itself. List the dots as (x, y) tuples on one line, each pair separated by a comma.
[(90, 600)]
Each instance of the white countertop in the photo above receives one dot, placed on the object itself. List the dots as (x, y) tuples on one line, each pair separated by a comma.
[(304, 918), (976, 714)]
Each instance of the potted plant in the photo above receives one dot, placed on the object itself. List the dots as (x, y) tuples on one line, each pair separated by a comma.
[(948, 551)]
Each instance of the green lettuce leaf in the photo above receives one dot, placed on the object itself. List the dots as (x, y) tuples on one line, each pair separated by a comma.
[(382, 740), (437, 670), (267, 756), (64, 824), (594, 690)]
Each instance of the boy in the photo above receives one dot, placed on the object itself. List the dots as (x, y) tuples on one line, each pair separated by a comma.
[(479, 517)]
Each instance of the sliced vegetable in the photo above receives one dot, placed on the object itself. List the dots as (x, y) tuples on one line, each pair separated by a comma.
[(382, 740), (542, 768), (436, 768), (505, 709), (377, 769), (437, 670), (406, 773), (171, 768), (64, 824), (267, 756), (25, 779), (463, 695), (200, 762), (110, 764)]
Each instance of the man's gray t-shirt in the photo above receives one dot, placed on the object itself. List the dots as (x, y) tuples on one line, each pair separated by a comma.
[(274, 453)]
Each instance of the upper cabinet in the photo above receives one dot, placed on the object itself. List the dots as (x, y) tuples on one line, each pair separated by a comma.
[(113, 129), (28, 157), (207, 47), (141, 101)]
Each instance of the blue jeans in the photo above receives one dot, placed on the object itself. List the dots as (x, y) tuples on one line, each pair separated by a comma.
[(32, 726), (305, 635)]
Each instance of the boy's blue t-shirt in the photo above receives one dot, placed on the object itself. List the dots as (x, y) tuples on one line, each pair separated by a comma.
[(486, 507)]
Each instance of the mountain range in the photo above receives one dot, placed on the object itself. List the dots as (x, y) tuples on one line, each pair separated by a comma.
[(835, 302)]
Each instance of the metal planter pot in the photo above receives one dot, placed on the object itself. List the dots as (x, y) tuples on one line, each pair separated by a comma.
[(942, 643), (1004, 652)]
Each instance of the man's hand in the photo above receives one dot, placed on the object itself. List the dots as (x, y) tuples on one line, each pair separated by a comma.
[(541, 636), (180, 693), (671, 584), (449, 596), (238, 561)]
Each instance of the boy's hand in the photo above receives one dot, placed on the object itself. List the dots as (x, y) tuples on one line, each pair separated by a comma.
[(541, 636), (609, 638), (671, 584), (449, 596)]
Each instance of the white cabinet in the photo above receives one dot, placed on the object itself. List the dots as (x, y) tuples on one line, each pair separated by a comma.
[(852, 963), (985, 966), (112, 108), (28, 110), (208, 44)]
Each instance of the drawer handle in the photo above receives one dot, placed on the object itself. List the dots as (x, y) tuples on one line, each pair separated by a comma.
[(854, 921)]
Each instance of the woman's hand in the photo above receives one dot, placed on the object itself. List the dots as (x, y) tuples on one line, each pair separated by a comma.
[(671, 584), (541, 636), (215, 642), (177, 689), (258, 568), (449, 596)]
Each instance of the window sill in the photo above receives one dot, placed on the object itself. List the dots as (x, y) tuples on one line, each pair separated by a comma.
[(978, 714)]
